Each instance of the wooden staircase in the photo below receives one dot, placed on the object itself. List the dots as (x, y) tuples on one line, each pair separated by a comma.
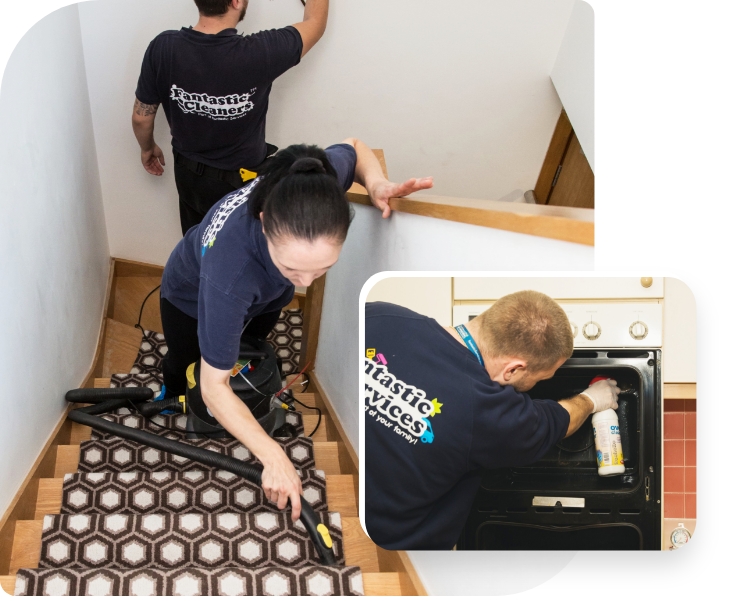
[(384, 572)]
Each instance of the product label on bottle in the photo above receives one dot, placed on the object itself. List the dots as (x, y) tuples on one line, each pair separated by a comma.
[(608, 445)]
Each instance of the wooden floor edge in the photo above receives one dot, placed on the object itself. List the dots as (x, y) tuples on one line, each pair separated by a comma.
[(130, 268), (412, 573)]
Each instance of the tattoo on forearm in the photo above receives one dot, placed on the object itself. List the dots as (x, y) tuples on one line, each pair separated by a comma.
[(145, 110)]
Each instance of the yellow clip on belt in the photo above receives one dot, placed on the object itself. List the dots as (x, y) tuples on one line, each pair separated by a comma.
[(246, 175)]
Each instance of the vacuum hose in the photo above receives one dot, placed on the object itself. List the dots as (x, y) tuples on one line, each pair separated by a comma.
[(89, 416), (98, 395)]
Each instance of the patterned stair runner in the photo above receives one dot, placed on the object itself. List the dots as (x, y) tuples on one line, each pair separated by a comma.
[(138, 521), (117, 455), (176, 540), (320, 580), (173, 491)]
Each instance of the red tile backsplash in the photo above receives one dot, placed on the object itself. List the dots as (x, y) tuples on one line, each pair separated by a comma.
[(674, 405), (679, 456), (675, 452), (674, 505), (689, 479), (674, 479), (689, 452), (674, 426)]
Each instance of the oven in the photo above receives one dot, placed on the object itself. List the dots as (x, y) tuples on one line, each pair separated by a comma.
[(561, 502)]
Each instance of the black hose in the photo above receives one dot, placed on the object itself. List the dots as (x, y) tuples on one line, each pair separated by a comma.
[(156, 407), (99, 395), (89, 416)]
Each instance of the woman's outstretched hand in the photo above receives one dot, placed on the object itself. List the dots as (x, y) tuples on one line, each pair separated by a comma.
[(382, 190)]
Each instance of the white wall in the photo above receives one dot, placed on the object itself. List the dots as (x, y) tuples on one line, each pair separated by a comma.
[(573, 75), (404, 243), (680, 337), (430, 296), (52, 239), (459, 91)]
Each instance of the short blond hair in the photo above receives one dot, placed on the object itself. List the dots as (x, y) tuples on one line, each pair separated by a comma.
[(528, 325)]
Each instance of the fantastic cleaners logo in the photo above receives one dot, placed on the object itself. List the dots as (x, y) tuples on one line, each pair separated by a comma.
[(398, 405), (218, 108)]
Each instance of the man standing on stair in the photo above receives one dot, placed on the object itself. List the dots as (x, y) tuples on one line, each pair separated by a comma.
[(214, 87)]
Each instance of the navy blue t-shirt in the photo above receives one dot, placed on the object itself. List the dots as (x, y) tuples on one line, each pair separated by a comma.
[(221, 273), (433, 420), (214, 90)]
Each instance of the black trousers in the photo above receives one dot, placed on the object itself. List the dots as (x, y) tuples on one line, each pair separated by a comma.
[(181, 337), (197, 194)]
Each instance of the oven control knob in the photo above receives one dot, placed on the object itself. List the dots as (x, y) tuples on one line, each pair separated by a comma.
[(638, 330), (574, 328), (591, 331)]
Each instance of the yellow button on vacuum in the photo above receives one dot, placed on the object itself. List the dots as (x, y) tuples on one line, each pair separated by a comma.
[(190, 374), (325, 535)]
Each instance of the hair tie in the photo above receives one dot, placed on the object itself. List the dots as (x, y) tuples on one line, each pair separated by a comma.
[(307, 165)]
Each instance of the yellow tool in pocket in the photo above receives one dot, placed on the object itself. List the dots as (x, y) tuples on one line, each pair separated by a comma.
[(246, 175)]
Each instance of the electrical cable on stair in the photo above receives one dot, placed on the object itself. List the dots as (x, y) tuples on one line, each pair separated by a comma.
[(139, 317), (290, 397)]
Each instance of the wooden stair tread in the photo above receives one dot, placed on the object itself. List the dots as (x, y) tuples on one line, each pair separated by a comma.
[(121, 348), (340, 495), (359, 549), (374, 584), (26, 551), (382, 584), (326, 458), (7, 583)]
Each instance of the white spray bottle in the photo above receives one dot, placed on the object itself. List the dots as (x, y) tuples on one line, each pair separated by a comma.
[(607, 440)]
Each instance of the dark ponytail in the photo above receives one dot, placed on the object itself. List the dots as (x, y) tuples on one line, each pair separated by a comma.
[(300, 196)]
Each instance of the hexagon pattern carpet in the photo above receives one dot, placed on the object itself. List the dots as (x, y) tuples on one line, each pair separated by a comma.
[(138, 521), (213, 491)]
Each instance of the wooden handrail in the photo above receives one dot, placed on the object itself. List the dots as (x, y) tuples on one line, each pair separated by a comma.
[(558, 223)]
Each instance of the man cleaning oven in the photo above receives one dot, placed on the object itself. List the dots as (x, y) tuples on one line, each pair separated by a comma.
[(442, 404)]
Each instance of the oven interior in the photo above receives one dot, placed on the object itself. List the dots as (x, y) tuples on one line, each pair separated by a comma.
[(560, 502), (570, 466)]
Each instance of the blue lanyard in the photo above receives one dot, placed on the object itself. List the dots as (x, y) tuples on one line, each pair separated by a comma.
[(470, 342)]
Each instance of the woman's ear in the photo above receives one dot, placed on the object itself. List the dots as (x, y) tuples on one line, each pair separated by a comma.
[(261, 218)]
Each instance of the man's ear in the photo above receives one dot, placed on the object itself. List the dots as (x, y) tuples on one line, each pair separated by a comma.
[(513, 368)]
